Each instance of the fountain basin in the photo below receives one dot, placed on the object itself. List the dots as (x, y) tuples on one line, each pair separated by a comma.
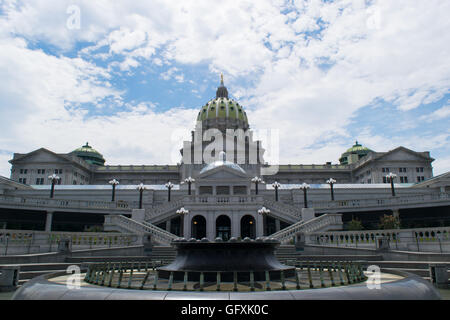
[(240, 257)]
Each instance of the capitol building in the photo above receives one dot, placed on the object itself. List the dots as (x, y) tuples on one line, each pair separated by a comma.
[(232, 194)]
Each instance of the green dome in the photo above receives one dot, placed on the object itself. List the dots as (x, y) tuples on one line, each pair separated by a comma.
[(354, 153), (90, 155), (223, 109)]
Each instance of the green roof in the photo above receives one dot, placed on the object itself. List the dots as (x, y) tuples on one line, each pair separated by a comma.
[(358, 149), (90, 155), (222, 108)]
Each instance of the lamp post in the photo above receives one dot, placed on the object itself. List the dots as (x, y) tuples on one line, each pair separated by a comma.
[(257, 180), (189, 181), (390, 177), (305, 187), (53, 178), (114, 183), (141, 189), (331, 182), (169, 186), (276, 185)]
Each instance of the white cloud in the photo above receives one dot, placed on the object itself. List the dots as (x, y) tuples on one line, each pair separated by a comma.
[(307, 86), (439, 114)]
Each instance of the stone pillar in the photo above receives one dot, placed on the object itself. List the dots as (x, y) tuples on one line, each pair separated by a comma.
[(187, 227), (308, 214), (277, 225), (48, 221), (138, 215), (210, 227), (259, 226), (235, 225), (168, 224)]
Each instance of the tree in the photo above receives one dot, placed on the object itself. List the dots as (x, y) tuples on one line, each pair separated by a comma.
[(389, 222), (355, 224)]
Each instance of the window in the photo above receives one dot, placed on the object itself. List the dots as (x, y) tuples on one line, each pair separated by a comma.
[(23, 171), (384, 180), (23, 180), (403, 179), (420, 169), (74, 182), (369, 180), (41, 171), (401, 169), (385, 170), (420, 178), (58, 171), (39, 181)]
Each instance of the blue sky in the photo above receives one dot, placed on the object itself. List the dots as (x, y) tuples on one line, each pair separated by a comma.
[(131, 77)]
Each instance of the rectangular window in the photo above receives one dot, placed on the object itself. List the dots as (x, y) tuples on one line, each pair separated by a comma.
[(384, 180), (385, 170)]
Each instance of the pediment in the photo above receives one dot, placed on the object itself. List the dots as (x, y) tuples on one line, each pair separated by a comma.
[(403, 154), (222, 173), (40, 156)]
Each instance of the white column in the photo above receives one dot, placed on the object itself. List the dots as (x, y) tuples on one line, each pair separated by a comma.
[(48, 221), (259, 225), (235, 225), (187, 226), (210, 226), (168, 222)]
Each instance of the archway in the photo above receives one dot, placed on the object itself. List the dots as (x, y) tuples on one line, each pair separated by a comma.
[(248, 227), (198, 227), (223, 227)]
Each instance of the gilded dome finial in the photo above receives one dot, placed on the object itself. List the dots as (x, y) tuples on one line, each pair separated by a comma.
[(221, 78)]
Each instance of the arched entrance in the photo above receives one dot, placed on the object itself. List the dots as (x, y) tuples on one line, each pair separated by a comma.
[(248, 227), (223, 227), (198, 227)]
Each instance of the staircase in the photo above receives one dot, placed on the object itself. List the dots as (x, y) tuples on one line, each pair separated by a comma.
[(322, 223), (123, 223)]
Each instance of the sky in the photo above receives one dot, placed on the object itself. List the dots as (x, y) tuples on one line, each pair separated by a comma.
[(130, 77)]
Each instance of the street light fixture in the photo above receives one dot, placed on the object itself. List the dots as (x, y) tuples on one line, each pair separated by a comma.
[(114, 183), (263, 211), (390, 177), (169, 186), (331, 182), (53, 178), (141, 189), (189, 181), (182, 211), (257, 180), (305, 187), (276, 185)]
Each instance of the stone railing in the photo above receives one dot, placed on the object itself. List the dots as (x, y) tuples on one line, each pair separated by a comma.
[(379, 202), (284, 208), (302, 227), (63, 203), (419, 239), (29, 241), (142, 228)]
